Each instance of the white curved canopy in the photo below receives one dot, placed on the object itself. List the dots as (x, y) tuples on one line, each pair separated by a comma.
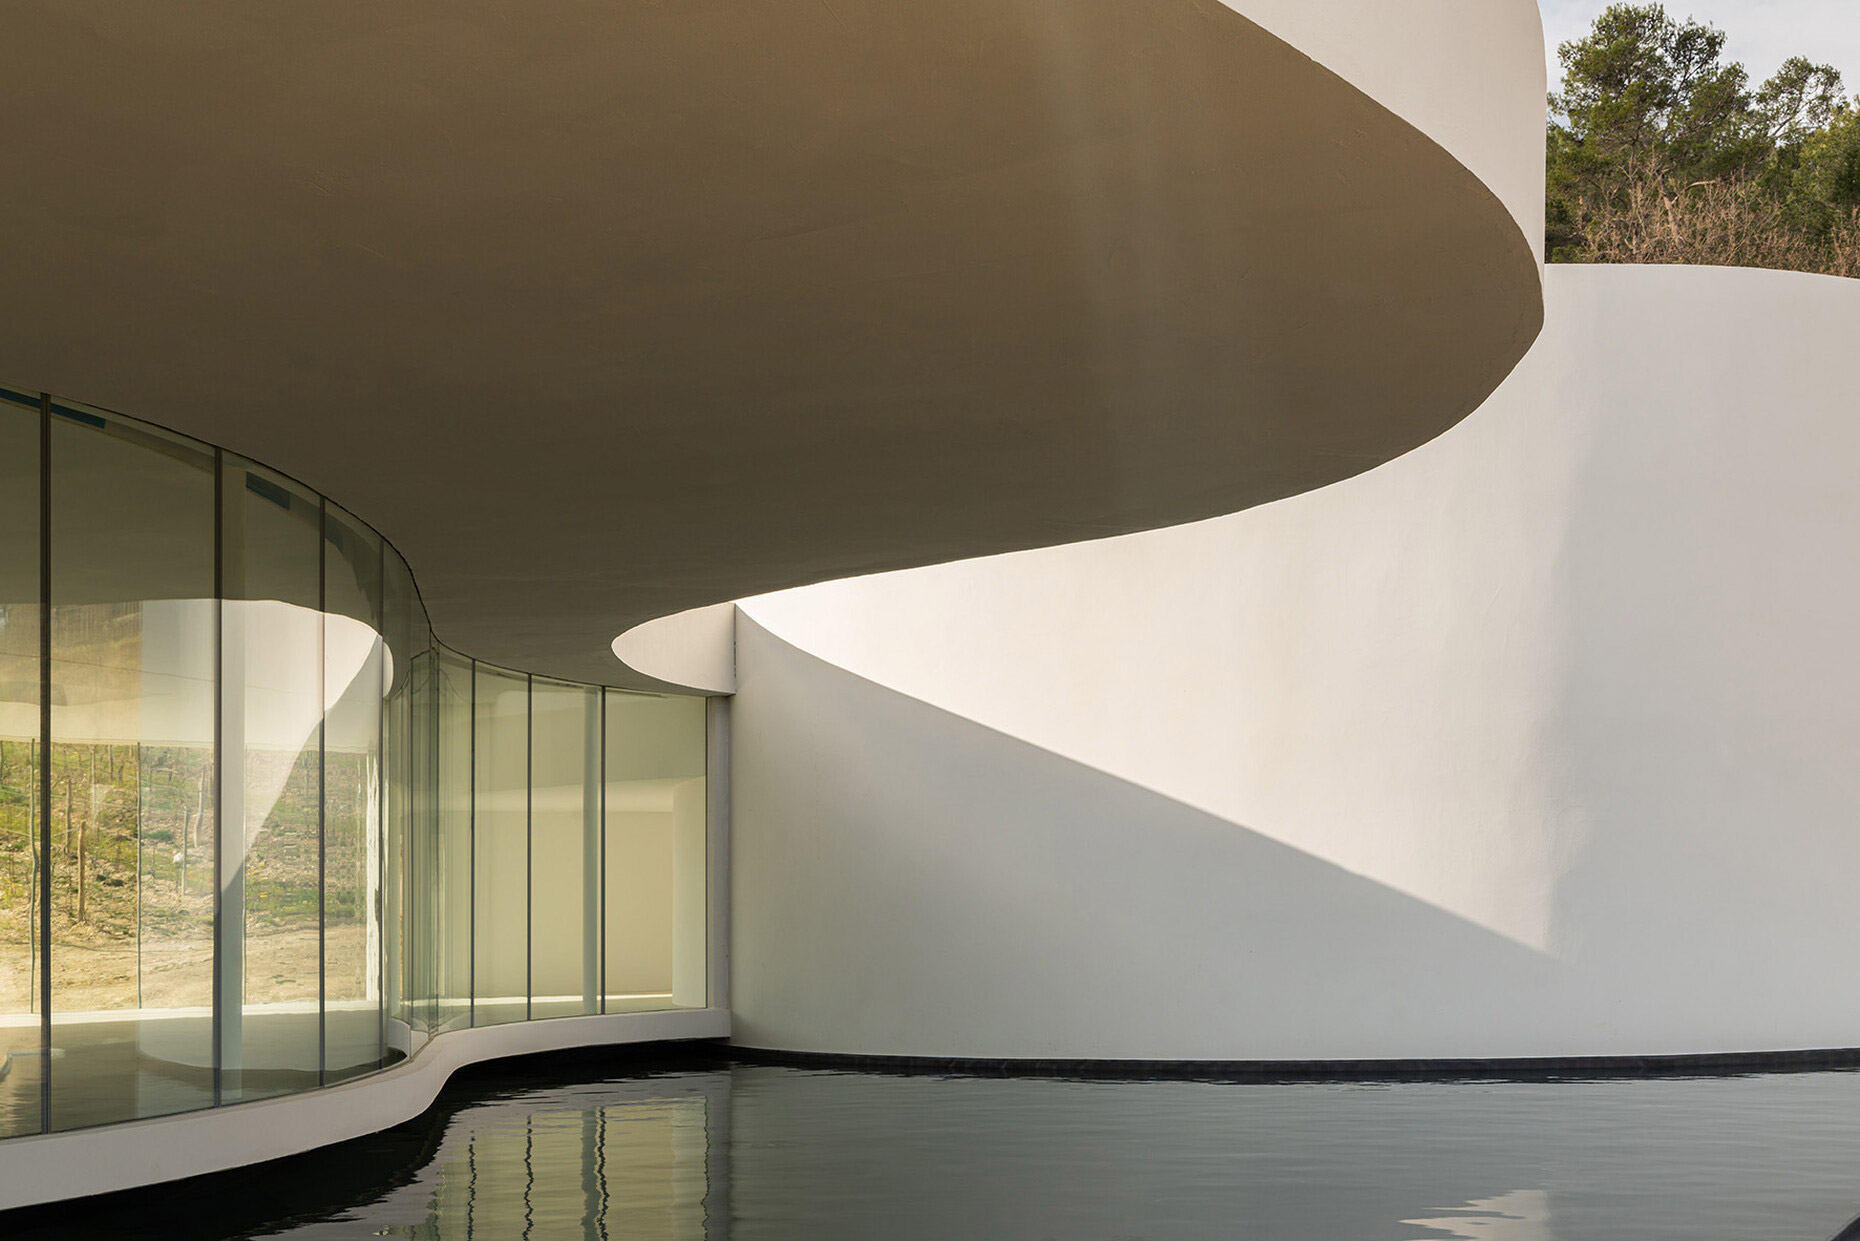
[(603, 312)]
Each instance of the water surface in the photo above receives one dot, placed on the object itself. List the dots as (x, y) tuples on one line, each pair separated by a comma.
[(755, 1154)]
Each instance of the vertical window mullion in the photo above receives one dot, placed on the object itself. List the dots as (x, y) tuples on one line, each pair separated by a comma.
[(602, 947), (529, 847), (219, 759), (471, 898), (379, 895), (322, 791)]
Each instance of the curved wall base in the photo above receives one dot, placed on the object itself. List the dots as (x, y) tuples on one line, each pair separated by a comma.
[(55, 1166), (1543, 1068)]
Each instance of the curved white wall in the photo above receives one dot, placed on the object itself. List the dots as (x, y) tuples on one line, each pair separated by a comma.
[(693, 649), (1536, 741), (1470, 74)]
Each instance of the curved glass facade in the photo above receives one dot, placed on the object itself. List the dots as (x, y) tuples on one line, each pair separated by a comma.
[(260, 832)]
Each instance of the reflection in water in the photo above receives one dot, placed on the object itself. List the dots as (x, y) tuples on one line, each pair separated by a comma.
[(635, 1170), (756, 1153), (1522, 1215)]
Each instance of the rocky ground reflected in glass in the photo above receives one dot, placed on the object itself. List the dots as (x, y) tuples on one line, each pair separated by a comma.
[(754, 1153)]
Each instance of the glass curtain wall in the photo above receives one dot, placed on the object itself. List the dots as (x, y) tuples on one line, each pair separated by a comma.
[(453, 876), (355, 675), (130, 824), (271, 795), (565, 848), (655, 910), (19, 764), (401, 626), (259, 831), (501, 835)]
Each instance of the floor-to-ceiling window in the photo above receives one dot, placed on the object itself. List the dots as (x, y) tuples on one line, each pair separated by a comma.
[(354, 676), (260, 831), (655, 914), (129, 840), (20, 895)]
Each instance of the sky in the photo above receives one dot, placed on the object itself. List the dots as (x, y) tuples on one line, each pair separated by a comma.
[(1763, 33)]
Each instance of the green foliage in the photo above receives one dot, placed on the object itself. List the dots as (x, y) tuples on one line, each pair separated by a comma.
[(1660, 150)]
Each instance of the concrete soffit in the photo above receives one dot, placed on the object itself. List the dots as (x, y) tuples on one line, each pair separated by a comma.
[(606, 313)]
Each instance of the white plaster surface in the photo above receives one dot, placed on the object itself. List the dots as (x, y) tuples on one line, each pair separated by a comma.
[(1470, 74), (694, 649), (1537, 741), (50, 1167)]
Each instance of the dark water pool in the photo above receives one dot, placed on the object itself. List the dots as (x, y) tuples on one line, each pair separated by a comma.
[(749, 1153)]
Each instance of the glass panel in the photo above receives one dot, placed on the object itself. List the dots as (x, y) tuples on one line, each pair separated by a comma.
[(271, 723), (131, 824), (500, 909), (411, 747), (565, 843), (452, 883), (19, 764), (400, 620), (425, 939), (420, 842), (655, 905), (354, 665)]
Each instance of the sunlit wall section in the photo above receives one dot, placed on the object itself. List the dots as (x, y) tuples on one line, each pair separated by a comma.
[(654, 907), (354, 678), (130, 825), (19, 764), (501, 895), (565, 843)]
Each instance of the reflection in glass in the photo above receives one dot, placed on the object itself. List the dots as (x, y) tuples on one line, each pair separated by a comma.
[(501, 896), (655, 901), (409, 835), (131, 823), (400, 625), (426, 860), (411, 812), (452, 880), (19, 764), (565, 843), (425, 897), (354, 667), (271, 723)]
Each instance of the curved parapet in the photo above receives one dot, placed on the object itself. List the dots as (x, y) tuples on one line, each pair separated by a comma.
[(1534, 743), (602, 313)]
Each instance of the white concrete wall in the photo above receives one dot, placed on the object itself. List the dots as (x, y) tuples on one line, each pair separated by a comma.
[(695, 649), (1537, 741), (1460, 71)]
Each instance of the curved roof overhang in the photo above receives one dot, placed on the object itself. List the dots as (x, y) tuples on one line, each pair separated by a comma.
[(604, 311)]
